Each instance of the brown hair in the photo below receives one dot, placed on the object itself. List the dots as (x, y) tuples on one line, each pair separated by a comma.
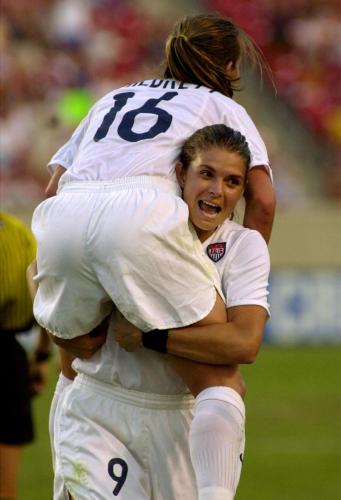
[(214, 135), (199, 48)]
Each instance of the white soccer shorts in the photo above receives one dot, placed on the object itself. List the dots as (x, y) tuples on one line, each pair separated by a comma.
[(127, 242), (60, 491), (62, 383), (115, 443)]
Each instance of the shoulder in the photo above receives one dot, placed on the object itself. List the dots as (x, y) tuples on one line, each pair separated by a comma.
[(105, 97), (250, 244), (234, 115), (249, 258), (238, 111), (109, 95), (239, 244), (227, 102)]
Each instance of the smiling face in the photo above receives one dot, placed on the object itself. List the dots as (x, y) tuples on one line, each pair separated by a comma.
[(212, 185)]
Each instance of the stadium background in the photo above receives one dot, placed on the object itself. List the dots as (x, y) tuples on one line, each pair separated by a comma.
[(59, 56)]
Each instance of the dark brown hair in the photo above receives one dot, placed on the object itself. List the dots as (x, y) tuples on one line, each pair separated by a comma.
[(199, 48), (214, 135)]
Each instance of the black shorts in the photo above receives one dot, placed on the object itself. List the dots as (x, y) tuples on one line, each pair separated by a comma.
[(16, 422)]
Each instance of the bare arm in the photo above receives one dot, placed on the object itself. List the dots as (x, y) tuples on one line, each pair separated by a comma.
[(260, 202), (84, 346), (236, 341), (66, 359), (52, 186)]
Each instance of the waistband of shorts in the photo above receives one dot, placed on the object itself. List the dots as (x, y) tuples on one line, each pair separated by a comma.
[(136, 398), (121, 183)]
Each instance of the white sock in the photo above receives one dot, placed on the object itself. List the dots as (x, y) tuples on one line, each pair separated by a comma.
[(217, 440)]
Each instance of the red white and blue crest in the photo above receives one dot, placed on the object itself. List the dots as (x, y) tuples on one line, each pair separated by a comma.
[(216, 251)]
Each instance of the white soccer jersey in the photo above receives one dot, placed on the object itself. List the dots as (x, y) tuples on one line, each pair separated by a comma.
[(116, 139), (243, 263)]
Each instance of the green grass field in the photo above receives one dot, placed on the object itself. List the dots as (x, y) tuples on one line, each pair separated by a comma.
[(293, 449)]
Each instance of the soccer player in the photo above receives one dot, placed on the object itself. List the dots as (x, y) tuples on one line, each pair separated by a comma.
[(120, 190), (127, 416)]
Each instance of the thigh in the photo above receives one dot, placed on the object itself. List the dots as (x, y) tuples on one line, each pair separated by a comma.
[(70, 300), (96, 445)]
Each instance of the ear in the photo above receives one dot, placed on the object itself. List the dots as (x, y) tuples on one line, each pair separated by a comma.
[(229, 67), (180, 173), (232, 70)]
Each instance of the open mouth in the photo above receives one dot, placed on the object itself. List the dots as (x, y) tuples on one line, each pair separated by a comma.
[(209, 208)]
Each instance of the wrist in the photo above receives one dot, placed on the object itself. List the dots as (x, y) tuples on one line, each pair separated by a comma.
[(155, 340), (41, 356)]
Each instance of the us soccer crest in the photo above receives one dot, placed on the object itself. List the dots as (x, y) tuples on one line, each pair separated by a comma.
[(216, 251)]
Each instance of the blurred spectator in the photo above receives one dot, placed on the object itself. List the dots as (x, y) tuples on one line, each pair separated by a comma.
[(20, 377)]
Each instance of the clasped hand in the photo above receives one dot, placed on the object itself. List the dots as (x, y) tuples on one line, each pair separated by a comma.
[(128, 336), (85, 346)]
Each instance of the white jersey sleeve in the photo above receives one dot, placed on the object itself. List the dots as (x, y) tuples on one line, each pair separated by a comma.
[(245, 280), (66, 154), (242, 260)]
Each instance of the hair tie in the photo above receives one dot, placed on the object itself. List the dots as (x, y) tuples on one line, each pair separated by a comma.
[(183, 36)]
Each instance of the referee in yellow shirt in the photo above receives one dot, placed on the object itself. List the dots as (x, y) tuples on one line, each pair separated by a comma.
[(17, 251)]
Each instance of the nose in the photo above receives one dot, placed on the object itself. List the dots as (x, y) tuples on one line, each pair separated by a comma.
[(216, 187)]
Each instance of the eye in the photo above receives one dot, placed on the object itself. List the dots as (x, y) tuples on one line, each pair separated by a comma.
[(233, 181), (206, 173)]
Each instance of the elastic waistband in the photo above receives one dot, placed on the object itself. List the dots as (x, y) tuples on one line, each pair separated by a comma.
[(136, 398), (121, 183), (62, 383)]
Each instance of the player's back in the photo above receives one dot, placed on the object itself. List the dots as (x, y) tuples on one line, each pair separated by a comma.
[(139, 129)]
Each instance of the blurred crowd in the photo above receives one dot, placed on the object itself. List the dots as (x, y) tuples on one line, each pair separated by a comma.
[(301, 41), (59, 56)]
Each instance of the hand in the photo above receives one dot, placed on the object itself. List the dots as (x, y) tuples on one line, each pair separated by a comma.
[(38, 376), (85, 346), (128, 336)]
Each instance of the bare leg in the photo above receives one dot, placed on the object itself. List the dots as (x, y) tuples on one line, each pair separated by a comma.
[(217, 315), (217, 436), (200, 376), (9, 467)]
